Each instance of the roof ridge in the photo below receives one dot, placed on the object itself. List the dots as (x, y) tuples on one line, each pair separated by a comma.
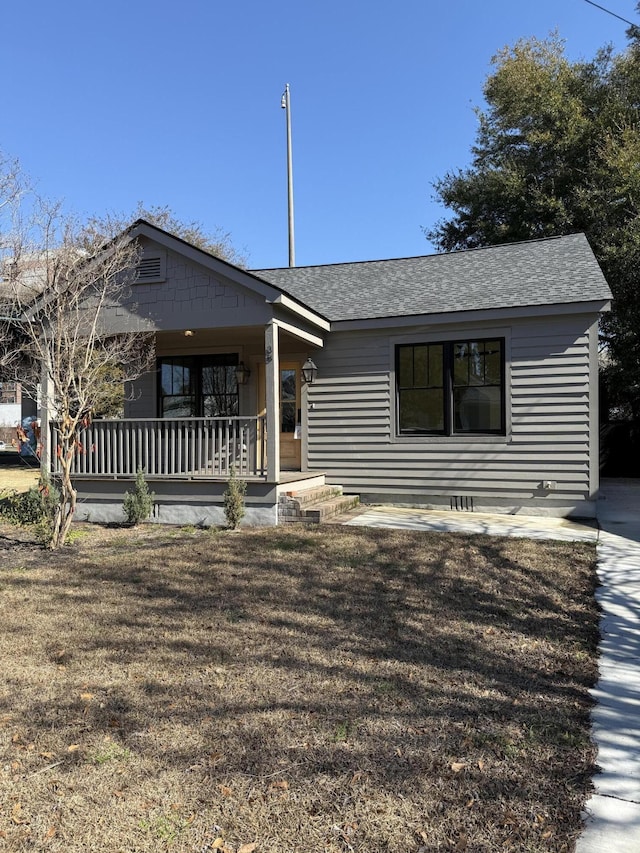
[(421, 257)]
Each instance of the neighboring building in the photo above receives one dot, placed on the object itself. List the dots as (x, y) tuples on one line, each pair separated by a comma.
[(10, 404), (465, 379)]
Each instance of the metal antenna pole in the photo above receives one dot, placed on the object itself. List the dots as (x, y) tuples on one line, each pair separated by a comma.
[(285, 103)]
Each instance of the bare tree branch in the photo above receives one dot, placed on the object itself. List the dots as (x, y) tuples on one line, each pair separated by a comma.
[(59, 277)]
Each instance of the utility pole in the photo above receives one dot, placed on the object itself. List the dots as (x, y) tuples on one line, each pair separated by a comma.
[(285, 103)]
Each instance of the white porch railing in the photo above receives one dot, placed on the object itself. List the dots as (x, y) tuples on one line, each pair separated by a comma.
[(168, 447)]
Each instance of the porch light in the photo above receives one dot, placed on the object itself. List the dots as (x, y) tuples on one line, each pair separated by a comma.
[(242, 374), (309, 372)]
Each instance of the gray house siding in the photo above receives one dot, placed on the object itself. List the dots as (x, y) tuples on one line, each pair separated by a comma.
[(185, 296), (541, 298), (549, 408)]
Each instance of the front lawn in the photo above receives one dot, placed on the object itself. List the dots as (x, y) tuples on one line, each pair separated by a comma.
[(294, 691), (15, 477)]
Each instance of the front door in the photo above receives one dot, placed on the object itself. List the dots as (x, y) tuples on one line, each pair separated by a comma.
[(290, 442)]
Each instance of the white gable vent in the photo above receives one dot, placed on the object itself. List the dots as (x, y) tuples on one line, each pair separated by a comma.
[(151, 268)]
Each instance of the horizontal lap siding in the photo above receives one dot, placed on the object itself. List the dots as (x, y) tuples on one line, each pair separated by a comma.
[(351, 434)]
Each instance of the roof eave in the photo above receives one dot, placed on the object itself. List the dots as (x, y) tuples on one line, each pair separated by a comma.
[(302, 311)]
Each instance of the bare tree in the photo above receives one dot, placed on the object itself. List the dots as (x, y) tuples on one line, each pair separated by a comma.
[(59, 277), (12, 188), (12, 185), (216, 241)]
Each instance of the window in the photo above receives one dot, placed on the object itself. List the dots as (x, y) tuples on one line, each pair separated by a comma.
[(198, 386), (451, 388), (288, 400)]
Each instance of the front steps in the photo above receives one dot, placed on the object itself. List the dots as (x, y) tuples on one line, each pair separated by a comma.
[(314, 505)]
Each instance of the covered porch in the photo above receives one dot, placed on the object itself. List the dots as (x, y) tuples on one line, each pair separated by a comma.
[(227, 393), (256, 379)]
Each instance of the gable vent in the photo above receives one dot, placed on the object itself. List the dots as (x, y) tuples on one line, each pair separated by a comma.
[(150, 269)]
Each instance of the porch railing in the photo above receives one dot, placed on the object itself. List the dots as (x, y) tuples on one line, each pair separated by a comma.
[(168, 447)]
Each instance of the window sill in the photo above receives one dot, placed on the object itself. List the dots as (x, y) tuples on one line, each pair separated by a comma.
[(451, 439)]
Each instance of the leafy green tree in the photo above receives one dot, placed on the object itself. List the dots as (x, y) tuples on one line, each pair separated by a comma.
[(558, 151)]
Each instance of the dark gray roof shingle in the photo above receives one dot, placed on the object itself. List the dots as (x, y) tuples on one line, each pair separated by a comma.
[(539, 272)]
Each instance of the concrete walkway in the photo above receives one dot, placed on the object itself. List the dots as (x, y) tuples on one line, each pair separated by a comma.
[(613, 812), (475, 522), (612, 815)]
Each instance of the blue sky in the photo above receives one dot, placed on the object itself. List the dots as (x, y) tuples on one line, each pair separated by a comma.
[(107, 104)]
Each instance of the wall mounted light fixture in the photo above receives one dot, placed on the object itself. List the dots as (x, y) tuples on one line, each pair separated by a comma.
[(242, 374), (309, 372)]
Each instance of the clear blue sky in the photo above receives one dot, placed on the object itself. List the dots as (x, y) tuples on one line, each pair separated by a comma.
[(107, 104)]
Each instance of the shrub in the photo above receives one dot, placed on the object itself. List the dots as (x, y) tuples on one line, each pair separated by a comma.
[(36, 506), (138, 505), (234, 500)]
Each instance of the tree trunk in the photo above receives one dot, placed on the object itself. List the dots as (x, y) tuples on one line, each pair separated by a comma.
[(68, 495)]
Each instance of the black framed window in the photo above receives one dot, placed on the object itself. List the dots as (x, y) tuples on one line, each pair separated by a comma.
[(451, 387), (198, 386)]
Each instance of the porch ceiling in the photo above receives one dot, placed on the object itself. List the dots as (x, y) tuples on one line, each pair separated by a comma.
[(204, 340)]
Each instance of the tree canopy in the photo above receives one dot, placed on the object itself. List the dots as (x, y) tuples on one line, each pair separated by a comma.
[(216, 241), (558, 151)]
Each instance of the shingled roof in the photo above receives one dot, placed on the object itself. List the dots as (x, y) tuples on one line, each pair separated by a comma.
[(557, 270)]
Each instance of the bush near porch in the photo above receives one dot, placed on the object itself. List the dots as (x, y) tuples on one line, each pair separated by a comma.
[(294, 690)]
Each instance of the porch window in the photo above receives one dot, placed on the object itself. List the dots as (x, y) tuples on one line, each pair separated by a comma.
[(288, 408), (451, 388), (198, 386)]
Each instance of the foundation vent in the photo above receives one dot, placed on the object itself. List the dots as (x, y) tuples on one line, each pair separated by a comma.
[(461, 503)]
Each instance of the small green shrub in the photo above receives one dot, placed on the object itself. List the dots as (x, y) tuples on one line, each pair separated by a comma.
[(138, 504), (234, 500), (36, 506)]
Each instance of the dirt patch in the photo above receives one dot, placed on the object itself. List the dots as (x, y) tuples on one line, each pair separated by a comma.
[(323, 691)]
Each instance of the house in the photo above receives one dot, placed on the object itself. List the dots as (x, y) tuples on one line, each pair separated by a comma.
[(10, 405), (466, 379)]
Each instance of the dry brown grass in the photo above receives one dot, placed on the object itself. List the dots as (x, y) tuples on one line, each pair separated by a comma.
[(16, 478), (312, 691)]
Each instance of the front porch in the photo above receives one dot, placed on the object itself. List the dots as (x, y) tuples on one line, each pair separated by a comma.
[(226, 396), (187, 463)]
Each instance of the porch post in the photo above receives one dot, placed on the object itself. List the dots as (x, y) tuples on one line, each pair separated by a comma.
[(272, 383), (46, 398)]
